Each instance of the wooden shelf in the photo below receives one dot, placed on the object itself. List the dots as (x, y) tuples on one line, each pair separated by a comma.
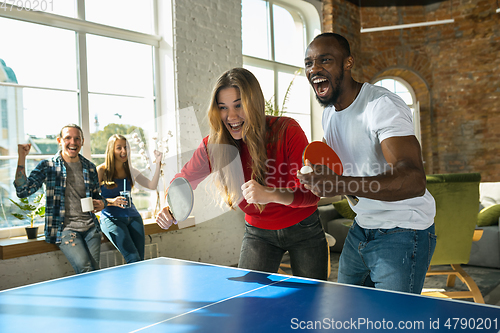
[(21, 246)]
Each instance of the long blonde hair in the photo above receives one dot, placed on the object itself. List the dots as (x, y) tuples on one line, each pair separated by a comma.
[(109, 164), (253, 134)]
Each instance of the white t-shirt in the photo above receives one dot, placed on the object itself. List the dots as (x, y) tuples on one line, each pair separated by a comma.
[(355, 134)]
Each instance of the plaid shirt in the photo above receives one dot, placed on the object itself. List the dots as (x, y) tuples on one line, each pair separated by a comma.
[(53, 173)]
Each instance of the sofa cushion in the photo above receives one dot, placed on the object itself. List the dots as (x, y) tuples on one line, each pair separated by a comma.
[(489, 193), (488, 216), (327, 213), (344, 209), (486, 251)]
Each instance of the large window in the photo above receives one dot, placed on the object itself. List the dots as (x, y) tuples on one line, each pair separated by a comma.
[(275, 35), (86, 62), (405, 91)]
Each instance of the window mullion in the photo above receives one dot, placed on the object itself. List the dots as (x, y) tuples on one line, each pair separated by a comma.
[(80, 25), (271, 29), (156, 73), (80, 9), (83, 96), (273, 53), (157, 89)]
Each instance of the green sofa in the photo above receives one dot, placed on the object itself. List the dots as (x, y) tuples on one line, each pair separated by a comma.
[(457, 203), (486, 251)]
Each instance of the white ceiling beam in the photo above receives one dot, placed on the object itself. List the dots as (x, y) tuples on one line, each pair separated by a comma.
[(406, 26)]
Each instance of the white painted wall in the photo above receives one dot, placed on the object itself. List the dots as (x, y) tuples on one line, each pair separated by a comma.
[(31, 269), (207, 42)]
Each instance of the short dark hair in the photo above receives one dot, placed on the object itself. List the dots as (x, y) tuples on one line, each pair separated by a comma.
[(344, 44), (71, 126)]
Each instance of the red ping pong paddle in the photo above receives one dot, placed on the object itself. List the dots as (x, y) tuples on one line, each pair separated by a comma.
[(318, 152)]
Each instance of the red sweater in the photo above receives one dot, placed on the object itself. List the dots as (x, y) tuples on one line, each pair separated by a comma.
[(284, 159)]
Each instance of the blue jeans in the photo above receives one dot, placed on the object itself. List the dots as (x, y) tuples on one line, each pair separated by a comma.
[(262, 250), (127, 235), (82, 249), (393, 259)]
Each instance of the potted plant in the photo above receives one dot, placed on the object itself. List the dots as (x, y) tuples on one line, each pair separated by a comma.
[(31, 211), (272, 109)]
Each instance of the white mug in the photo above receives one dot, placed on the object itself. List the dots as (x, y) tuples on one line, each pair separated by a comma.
[(87, 204)]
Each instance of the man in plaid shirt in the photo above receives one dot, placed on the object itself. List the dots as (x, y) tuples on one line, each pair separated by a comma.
[(68, 177)]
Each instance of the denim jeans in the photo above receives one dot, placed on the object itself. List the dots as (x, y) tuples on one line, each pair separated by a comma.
[(127, 235), (392, 259), (262, 250), (82, 249)]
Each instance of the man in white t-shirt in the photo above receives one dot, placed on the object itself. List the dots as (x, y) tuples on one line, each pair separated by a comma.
[(391, 241)]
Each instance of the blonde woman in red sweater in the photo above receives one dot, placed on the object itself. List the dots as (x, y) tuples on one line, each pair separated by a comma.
[(280, 214)]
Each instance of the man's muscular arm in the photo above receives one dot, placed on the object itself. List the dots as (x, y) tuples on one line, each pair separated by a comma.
[(405, 180), (23, 151)]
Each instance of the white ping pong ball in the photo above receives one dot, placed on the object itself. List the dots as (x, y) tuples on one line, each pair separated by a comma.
[(306, 169)]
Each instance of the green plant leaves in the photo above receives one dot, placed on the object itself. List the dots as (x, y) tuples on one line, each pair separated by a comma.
[(24, 205), (19, 216), (38, 198), (271, 109), (30, 211), (40, 211)]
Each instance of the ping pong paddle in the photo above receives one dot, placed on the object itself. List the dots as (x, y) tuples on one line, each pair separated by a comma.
[(180, 199), (318, 152)]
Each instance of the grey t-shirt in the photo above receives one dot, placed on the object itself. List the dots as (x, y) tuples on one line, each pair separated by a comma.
[(74, 218)]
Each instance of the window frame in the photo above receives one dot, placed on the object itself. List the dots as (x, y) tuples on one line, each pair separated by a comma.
[(310, 17), (81, 28), (415, 106)]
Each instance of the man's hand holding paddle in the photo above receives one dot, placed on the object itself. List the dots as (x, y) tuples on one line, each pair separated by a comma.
[(325, 179), (322, 181)]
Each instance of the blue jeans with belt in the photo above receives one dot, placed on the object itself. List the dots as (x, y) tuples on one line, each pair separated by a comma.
[(127, 235), (262, 250), (392, 259), (82, 249)]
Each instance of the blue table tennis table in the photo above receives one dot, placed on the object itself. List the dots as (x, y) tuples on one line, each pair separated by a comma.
[(171, 295)]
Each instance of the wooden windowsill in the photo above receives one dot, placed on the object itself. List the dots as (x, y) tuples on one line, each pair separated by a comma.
[(21, 246)]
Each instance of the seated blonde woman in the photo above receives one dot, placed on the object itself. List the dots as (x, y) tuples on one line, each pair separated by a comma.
[(120, 220)]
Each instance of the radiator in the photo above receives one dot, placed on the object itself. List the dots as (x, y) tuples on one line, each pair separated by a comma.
[(114, 258)]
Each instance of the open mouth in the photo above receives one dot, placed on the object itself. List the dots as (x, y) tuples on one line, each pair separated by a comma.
[(321, 86), (73, 148), (236, 126)]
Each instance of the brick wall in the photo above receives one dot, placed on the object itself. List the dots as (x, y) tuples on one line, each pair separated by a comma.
[(453, 68)]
